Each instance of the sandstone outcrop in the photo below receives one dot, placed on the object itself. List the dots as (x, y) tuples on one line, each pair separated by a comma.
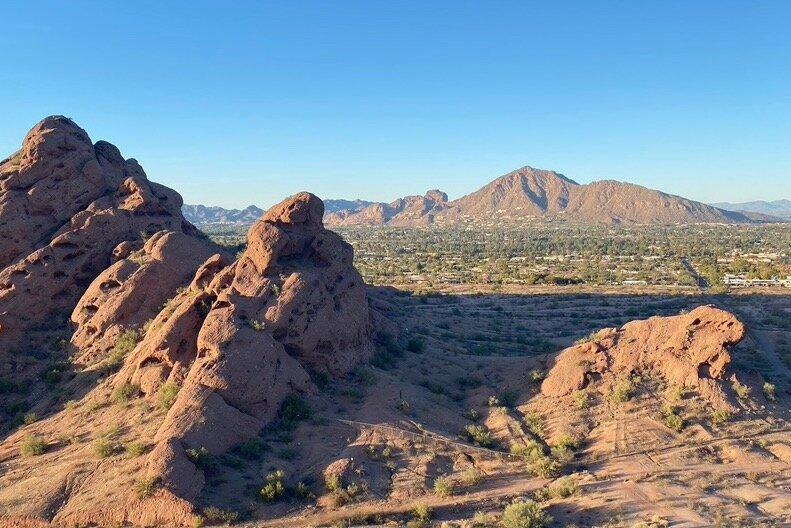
[(65, 205), (688, 350)]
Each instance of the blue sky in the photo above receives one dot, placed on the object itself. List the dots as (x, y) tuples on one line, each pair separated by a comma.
[(232, 103)]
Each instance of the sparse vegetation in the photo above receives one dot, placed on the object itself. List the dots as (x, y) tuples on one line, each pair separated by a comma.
[(274, 486), (215, 515), (444, 486), (167, 395), (135, 449), (125, 392), (720, 417), (421, 516), (770, 391), (581, 400), (33, 446), (525, 514), (471, 477), (103, 448), (146, 487), (742, 391), (623, 391), (479, 435), (126, 342)]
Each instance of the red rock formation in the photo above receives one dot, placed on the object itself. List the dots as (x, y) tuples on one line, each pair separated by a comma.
[(65, 205), (688, 350), (243, 337)]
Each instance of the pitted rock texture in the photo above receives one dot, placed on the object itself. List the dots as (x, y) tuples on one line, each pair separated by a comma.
[(65, 205), (133, 290), (244, 336), (688, 350)]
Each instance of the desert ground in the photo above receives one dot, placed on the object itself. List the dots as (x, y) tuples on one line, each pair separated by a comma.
[(478, 359)]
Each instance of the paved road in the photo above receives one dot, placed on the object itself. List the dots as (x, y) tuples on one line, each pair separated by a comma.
[(702, 282)]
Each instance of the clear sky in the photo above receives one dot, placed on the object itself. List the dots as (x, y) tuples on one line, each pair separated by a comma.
[(233, 103)]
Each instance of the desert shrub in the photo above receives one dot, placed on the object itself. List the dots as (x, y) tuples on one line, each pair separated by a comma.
[(525, 514), (167, 395), (508, 399), (125, 392), (126, 343), (388, 352), (252, 449), (742, 391), (471, 477), (302, 491), (674, 421), (675, 394), (214, 514), (415, 345), (274, 486), (421, 516), (481, 520), (721, 416), (146, 487), (581, 400), (563, 488), (562, 454), (30, 418), (444, 486), (32, 446), (479, 435), (293, 411), (103, 448), (534, 423), (202, 458), (623, 391), (536, 375), (493, 401), (135, 449), (770, 391), (543, 466), (528, 452), (567, 441), (472, 415), (333, 483)]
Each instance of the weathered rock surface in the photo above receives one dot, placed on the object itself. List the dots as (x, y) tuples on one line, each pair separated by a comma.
[(65, 205), (688, 350)]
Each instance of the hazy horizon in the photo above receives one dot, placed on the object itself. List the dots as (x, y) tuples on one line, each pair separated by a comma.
[(376, 101)]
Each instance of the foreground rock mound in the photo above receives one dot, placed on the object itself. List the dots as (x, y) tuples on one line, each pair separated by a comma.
[(688, 350), (210, 366)]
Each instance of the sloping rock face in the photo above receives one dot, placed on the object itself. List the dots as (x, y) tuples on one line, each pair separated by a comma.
[(688, 350), (65, 205), (230, 346), (132, 290), (244, 336)]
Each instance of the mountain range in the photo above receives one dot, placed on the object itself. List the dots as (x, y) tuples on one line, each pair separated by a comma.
[(778, 208), (526, 194)]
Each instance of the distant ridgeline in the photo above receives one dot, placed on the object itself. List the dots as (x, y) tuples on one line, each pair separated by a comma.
[(524, 195)]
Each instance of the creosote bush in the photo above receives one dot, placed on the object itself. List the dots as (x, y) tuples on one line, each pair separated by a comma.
[(167, 395), (32, 445), (721, 416), (125, 392), (103, 448), (135, 449), (146, 487), (770, 391), (623, 391), (444, 486), (581, 400), (124, 345), (525, 514), (421, 516), (274, 487), (742, 391), (479, 435), (215, 515)]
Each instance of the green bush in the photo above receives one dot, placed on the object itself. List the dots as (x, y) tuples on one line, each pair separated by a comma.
[(770, 391), (742, 391), (30, 418), (125, 392), (252, 449), (202, 458), (135, 449), (421, 516), (444, 486), (124, 345), (479, 435), (32, 446), (525, 514), (674, 421), (721, 416), (581, 400), (103, 448), (167, 395), (623, 391), (146, 487), (214, 514), (415, 345), (274, 487)]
